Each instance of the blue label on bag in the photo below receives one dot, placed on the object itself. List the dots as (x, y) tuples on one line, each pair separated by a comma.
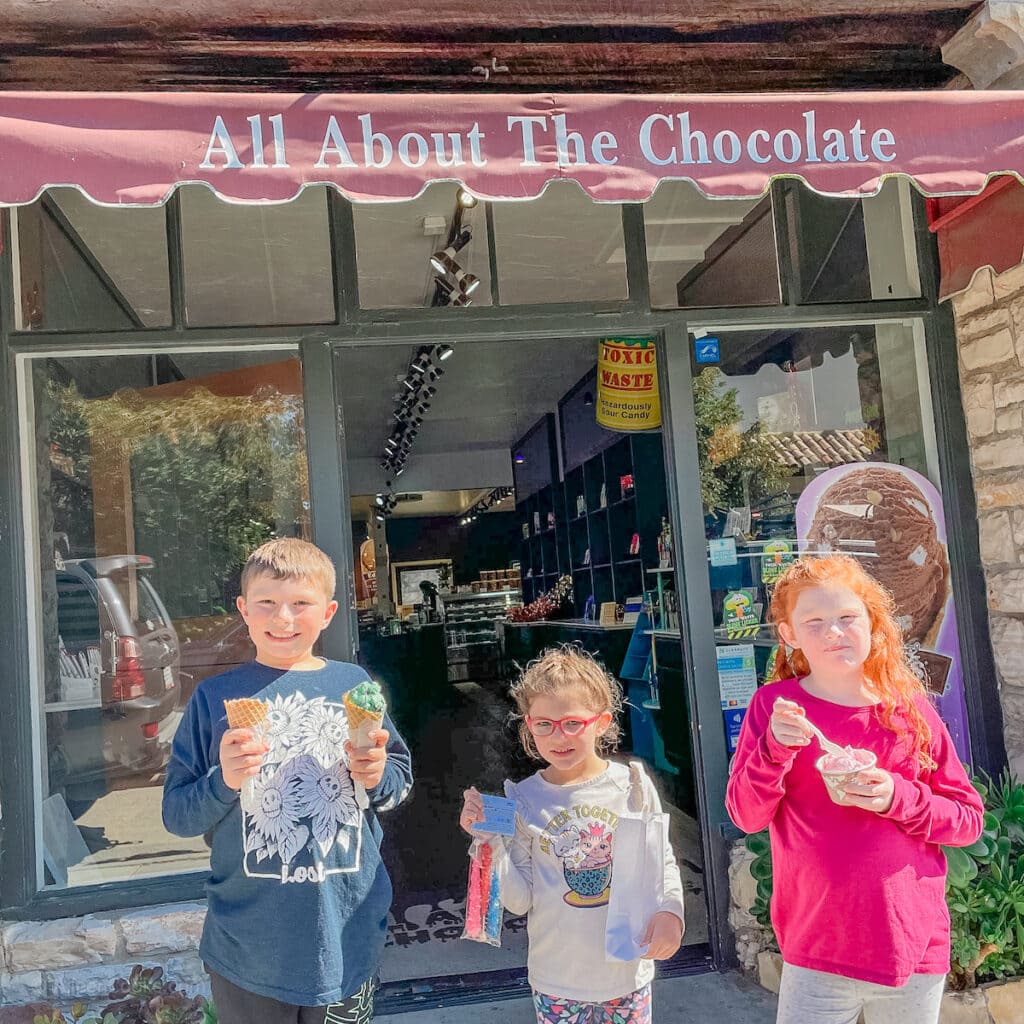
[(499, 816)]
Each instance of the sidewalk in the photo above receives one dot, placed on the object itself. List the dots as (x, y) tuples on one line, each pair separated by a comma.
[(726, 997)]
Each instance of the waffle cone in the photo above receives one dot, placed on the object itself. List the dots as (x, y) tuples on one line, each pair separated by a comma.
[(361, 723), (245, 713)]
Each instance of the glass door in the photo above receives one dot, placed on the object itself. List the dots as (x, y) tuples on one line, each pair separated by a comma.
[(480, 486)]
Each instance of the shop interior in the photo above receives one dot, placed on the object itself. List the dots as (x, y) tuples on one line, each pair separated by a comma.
[(480, 483)]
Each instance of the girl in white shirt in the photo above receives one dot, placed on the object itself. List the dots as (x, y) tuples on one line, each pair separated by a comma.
[(558, 868)]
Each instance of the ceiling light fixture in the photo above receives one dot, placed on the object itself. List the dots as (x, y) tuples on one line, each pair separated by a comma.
[(443, 261), (467, 282)]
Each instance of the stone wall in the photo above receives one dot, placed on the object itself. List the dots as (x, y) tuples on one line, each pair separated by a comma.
[(990, 332), (81, 957), (751, 938)]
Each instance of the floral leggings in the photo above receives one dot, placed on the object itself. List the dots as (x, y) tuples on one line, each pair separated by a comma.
[(632, 1009)]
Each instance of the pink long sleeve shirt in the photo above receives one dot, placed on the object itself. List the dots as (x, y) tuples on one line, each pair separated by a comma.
[(854, 893)]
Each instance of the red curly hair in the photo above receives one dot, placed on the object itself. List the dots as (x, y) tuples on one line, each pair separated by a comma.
[(886, 669)]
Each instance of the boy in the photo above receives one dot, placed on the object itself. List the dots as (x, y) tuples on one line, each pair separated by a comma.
[(298, 895)]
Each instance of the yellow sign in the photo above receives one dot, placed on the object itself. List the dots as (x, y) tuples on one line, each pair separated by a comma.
[(627, 385)]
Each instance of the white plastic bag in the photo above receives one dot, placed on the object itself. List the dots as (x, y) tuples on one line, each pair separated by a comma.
[(638, 877)]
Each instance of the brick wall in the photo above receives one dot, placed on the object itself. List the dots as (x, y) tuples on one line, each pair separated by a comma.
[(81, 957), (990, 332)]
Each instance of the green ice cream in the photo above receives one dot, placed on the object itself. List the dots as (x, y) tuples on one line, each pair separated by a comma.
[(367, 696)]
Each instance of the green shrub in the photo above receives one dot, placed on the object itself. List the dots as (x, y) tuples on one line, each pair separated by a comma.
[(141, 998), (984, 889)]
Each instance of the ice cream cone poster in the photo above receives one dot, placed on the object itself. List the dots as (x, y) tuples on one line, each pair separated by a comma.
[(738, 610), (892, 518), (627, 385), (776, 557)]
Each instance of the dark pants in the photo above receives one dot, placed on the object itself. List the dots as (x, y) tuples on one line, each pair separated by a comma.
[(238, 1006)]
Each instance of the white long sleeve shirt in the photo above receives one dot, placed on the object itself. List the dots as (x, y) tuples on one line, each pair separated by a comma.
[(557, 870)]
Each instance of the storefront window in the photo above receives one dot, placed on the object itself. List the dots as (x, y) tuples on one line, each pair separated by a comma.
[(153, 477), (709, 252), (560, 247), (847, 250), (86, 267), (263, 264), (396, 241), (816, 441)]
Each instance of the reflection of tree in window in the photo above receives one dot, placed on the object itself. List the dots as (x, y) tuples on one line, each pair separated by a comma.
[(211, 477), (737, 467)]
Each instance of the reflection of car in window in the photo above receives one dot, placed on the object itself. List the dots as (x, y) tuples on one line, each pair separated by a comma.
[(211, 645), (119, 673)]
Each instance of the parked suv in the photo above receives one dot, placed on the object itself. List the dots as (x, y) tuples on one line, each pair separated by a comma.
[(109, 613)]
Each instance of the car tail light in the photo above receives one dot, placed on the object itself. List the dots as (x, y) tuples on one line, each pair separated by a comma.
[(129, 681), (150, 729)]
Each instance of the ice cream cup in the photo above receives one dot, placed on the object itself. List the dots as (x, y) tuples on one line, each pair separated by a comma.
[(836, 780)]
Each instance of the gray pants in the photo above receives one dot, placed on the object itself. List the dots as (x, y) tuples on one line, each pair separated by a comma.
[(814, 997)]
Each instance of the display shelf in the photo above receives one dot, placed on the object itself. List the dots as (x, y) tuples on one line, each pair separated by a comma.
[(614, 571)]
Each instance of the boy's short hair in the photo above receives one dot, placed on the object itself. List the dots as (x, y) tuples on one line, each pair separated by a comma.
[(288, 558)]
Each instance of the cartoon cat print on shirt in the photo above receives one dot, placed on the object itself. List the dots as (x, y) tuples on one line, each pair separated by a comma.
[(585, 850), (300, 818)]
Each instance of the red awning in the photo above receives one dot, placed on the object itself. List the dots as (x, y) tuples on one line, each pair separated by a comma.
[(134, 148), (984, 230)]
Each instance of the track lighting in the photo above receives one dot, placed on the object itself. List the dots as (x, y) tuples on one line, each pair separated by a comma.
[(442, 352), (467, 282), (379, 500), (452, 297), (443, 261)]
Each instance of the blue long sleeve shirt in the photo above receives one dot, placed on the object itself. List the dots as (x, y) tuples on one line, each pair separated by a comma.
[(298, 896)]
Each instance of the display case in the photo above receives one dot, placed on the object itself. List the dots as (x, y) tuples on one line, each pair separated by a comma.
[(472, 643)]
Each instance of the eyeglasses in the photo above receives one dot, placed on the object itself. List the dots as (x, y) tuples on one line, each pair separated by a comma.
[(567, 726)]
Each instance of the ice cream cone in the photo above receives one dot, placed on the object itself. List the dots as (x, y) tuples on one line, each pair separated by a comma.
[(361, 723), (245, 713)]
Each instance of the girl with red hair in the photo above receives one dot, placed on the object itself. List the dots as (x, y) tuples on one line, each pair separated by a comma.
[(858, 902)]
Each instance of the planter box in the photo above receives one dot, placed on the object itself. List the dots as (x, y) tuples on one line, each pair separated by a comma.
[(998, 1002)]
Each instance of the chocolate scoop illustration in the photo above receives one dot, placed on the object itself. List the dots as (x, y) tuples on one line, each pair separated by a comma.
[(880, 516)]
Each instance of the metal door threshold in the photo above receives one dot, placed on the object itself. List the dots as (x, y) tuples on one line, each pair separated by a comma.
[(495, 986)]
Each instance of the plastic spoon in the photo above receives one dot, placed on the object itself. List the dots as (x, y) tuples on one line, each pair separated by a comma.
[(826, 744)]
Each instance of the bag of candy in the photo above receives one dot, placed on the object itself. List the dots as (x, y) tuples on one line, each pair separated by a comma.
[(483, 896)]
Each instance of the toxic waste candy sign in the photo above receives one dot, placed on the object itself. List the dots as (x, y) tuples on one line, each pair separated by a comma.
[(627, 384)]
